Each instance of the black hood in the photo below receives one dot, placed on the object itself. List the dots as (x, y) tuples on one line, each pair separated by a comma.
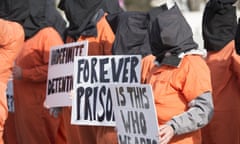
[(170, 33), (54, 18), (33, 15), (14, 10), (83, 15), (131, 33), (219, 24), (112, 7)]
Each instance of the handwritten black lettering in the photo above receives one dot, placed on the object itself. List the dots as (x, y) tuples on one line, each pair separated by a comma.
[(66, 54), (60, 84), (88, 98)]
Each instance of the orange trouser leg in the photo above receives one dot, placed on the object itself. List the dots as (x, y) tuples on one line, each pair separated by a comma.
[(61, 134), (106, 135), (3, 109), (72, 133), (9, 135), (88, 134), (224, 128), (97, 135)]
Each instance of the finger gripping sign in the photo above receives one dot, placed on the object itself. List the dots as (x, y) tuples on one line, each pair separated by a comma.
[(135, 114), (60, 72), (92, 101)]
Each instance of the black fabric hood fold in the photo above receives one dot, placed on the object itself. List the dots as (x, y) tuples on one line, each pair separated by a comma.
[(219, 24), (14, 10), (33, 15), (81, 13), (112, 7), (43, 13), (54, 18), (170, 33), (131, 33)]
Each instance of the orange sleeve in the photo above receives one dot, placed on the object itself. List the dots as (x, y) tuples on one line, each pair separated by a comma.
[(195, 77), (235, 64), (10, 32), (48, 37), (146, 65), (11, 42), (106, 36)]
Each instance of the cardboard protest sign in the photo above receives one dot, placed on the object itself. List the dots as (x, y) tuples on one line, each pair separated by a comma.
[(135, 114), (60, 72), (92, 100)]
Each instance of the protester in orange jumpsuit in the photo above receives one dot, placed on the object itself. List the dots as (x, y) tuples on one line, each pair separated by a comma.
[(219, 28), (180, 79), (11, 42), (87, 22), (34, 124)]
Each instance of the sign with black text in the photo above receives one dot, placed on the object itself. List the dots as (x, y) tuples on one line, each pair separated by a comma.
[(92, 101), (135, 114), (60, 73)]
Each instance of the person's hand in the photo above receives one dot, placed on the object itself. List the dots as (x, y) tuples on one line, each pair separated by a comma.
[(17, 72), (55, 111), (166, 132)]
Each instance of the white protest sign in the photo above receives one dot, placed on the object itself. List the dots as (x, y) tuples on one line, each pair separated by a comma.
[(135, 114), (60, 72), (92, 100)]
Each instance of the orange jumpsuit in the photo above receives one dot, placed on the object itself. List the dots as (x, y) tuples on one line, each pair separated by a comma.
[(9, 135), (11, 42), (34, 124), (100, 45), (175, 87), (147, 63), (224, 128)]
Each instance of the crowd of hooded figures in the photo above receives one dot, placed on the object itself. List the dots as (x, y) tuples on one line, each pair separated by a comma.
[(196, 90)]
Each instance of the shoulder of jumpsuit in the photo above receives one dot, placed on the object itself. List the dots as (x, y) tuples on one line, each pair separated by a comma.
[(201, 52), (225, 52), (193, 56), (182, 61), (100, 25), (46, 33), (10, 31), (104, 31)]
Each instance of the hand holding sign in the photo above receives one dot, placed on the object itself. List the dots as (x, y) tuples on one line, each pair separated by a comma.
[(166, 132)]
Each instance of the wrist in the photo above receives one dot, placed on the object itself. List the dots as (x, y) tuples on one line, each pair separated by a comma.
[(172, 126)]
